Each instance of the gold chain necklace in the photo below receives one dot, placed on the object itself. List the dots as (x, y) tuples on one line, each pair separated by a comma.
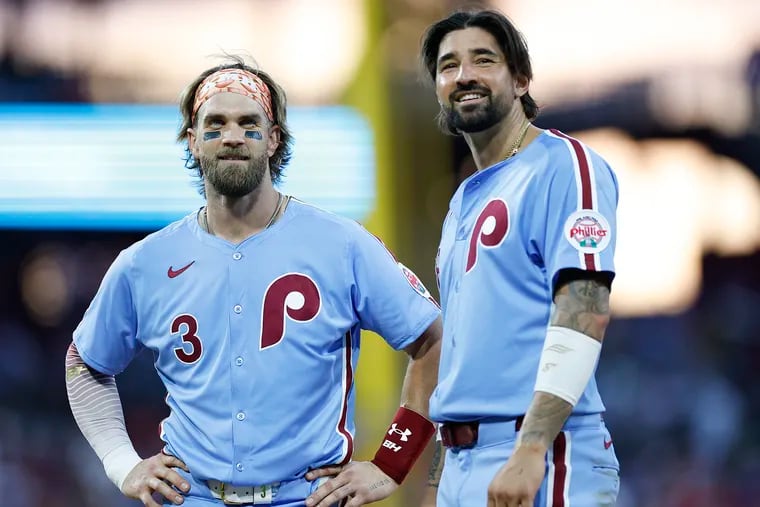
[(520, 139), (280, 200)]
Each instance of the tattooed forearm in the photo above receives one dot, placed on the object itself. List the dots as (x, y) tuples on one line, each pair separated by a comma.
[(545, 417), (582, 305), (436, 466)]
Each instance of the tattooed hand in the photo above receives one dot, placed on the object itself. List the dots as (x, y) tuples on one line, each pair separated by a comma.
[(361, 482)]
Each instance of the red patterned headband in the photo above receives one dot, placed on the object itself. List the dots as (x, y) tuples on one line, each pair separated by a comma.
[(234, 81)]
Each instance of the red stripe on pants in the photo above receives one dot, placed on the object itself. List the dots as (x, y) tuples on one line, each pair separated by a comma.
[(560, 470)]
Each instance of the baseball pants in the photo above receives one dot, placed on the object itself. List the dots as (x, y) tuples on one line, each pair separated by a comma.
[(581, 467)]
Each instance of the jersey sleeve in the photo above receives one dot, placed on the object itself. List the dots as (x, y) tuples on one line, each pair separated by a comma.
[(387, 296), (580, 202), (106, 336)]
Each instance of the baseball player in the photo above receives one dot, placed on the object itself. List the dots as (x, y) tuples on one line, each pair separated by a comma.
[(252, 309), (525, 266)]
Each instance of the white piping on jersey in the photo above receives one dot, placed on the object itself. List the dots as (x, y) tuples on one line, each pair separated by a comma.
[(347, 379), (592, 183)]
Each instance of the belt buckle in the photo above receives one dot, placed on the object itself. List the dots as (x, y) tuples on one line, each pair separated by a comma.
[(233, 498), (459, 435), (242, 495)]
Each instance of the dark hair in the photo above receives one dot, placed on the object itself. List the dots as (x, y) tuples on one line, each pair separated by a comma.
[(282, 154), (510, 40)]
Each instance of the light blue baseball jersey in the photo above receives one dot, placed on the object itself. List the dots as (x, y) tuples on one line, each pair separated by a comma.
[(257, 343), (510, 229)]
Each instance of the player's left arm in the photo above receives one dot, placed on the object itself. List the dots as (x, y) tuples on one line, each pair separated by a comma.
[(390, 300), (407, 437), (419, 383), (422, 371)]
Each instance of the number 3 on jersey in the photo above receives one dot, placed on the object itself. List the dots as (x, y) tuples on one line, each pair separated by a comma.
[(293, 295), (186, 325), (491, 227)]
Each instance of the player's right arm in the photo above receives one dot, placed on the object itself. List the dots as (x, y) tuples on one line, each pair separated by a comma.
[(96, 406), (104, 344)]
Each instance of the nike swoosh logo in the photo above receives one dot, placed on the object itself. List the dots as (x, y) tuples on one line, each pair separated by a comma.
[(607, 443), (172, 273)]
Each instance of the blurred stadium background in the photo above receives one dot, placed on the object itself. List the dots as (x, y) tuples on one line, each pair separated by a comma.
[(668, 92)]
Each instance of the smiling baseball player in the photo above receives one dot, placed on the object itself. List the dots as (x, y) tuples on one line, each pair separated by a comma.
[(252, 309), (525, 268)]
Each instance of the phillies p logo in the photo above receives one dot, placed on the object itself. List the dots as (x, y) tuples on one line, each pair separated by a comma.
[(490, 229)]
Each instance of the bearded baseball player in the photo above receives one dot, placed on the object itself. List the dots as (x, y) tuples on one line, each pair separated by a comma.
[(252, 308), (525, 267)]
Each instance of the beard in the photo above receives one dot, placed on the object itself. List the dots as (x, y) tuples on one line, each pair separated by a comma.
[(468, 119), (234, 179)]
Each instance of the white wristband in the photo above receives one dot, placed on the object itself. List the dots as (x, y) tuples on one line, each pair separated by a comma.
[(119, 462), (567, 363)]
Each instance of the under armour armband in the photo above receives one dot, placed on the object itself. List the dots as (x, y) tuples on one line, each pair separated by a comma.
[(404, 441), (567, 363)]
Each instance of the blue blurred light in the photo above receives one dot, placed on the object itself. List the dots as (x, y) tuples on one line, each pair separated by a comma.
[(88, 166)]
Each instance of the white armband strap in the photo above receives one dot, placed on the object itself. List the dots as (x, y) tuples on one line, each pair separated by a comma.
[(567, 363), (119, 462)]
